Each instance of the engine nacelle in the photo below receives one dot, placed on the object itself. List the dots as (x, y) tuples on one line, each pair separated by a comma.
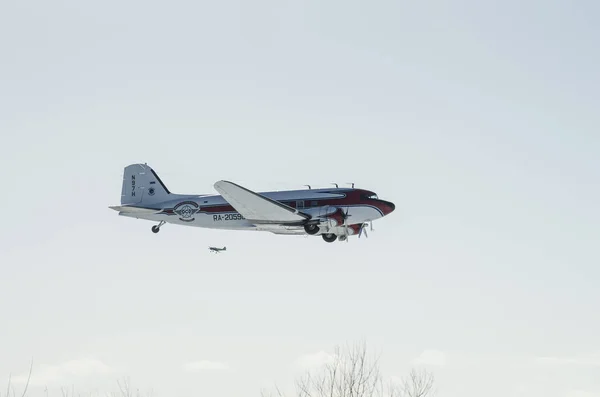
[(324, 220), (333, 218)]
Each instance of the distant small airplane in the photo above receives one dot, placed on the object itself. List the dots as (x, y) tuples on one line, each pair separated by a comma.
[(332, 213), (217, 250)]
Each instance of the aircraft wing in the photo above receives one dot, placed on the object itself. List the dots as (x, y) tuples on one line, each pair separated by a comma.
[(256, 208), (282, 229)]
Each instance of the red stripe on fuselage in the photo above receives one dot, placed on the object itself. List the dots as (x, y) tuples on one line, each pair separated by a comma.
[(353, 197)]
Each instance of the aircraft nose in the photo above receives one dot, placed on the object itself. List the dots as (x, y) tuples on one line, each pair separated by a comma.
[(388, 207)]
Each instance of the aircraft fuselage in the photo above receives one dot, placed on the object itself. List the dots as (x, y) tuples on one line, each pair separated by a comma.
[(332, 213), (213, 211)]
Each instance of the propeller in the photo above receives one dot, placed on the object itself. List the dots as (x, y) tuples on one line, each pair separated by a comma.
[(345, 217)]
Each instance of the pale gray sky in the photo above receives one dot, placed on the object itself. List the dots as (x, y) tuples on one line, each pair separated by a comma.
[(478, 119)]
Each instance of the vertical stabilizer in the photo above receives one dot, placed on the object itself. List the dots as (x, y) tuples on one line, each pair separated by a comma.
[(142, 186)]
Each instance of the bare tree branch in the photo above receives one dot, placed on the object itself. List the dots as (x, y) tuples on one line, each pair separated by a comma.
[(28, 378), (351, 373), (417, 384), (124, 389), (278, 391), (8, 387)]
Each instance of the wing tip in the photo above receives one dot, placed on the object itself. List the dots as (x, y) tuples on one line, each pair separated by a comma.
[(221, 183)]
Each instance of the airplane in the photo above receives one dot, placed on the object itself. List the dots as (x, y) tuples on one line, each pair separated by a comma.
[(334, 214), (217, 250)]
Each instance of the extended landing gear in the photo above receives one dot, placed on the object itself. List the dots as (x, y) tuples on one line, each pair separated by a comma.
[(329, 237), (156, 228), (311, 229)]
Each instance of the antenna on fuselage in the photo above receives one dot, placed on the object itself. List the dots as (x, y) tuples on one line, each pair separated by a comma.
[(336, 185), (308, 186), (351, 183)]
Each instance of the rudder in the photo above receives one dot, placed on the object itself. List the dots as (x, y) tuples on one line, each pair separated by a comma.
[(141, 185)]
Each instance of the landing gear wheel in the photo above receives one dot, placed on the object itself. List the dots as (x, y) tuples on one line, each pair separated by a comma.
[(329, 237), (156, 228), (311, 229)]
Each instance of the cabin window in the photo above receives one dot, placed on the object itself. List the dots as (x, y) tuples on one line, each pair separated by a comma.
[(300, 204), (314, 203)]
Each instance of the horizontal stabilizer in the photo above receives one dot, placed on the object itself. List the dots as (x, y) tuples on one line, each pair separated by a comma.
[(134, 210), (257, 208)]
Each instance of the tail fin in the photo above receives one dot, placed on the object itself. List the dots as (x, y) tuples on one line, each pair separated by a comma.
[(141, 185)]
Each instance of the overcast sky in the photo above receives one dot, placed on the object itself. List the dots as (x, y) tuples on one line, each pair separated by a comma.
[(479, 120)]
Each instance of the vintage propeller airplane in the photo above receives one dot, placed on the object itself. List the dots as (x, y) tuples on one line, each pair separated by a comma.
[(334, 214), (217, 250)]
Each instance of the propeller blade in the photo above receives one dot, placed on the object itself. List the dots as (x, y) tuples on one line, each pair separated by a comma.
[(345, 217)]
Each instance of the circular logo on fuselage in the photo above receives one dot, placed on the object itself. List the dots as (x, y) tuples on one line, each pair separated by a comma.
[(186, 210)]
